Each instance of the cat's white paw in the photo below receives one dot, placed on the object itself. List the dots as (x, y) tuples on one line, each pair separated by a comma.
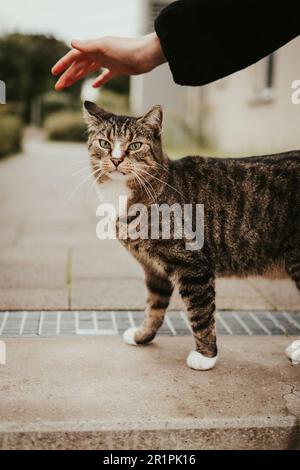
[(128, 336), (293, 352), (197, 361)]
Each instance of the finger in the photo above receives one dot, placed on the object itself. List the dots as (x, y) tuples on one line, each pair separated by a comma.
[(68, 76), (75, 73), (87, 47), (104, 77), (86, 70), (66, 61)]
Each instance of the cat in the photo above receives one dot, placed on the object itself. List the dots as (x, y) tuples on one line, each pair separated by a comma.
[(251, 219)]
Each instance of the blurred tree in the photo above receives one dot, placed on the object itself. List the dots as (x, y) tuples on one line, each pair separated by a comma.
[(25, 64)]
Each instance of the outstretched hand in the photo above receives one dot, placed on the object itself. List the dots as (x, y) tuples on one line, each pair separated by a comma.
[(113, 55)]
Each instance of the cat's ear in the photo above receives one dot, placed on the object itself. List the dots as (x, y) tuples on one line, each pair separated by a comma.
[(153, 118), (93, 114)]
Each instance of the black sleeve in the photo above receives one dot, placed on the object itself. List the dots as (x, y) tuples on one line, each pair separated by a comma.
[(204, 40)]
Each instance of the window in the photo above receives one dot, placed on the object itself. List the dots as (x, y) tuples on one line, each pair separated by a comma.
[(264, 81), (155, 8), (269, 71)]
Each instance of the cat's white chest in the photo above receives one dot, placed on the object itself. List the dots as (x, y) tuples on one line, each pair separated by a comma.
[(114, 193)]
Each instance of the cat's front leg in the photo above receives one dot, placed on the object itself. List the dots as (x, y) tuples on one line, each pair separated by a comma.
[(159, 293), (198, 292)]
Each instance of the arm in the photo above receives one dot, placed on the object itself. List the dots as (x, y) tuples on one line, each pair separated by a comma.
[(118, 56), (204, 40)]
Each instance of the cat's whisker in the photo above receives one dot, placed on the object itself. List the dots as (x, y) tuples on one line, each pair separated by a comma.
[(75, 165), (80, 184), (148, 182), (89, 189), (68, 177), (152, 189), (96, 180), (84, 161), (152, 194), (81, 170), (143, 186), (137, 178), (161, 181), (153, 199), (136, 168), (160, 165)]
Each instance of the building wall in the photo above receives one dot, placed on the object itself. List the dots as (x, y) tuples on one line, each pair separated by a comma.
[(156, 87), (236, 117)]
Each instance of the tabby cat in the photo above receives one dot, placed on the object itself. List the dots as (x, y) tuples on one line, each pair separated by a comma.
[(251, 218)]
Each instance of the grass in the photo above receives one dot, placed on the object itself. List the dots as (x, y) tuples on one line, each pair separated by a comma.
[(178, 141), (185, 150)]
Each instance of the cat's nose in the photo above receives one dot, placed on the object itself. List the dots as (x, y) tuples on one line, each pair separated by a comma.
[(116, 161)]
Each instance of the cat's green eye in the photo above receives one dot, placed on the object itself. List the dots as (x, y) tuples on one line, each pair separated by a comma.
[(135, 146), (104, 144)]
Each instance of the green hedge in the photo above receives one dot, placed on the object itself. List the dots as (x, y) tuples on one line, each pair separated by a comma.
[(25, 63), (113, 102), (10, 134), (120, 84), (66, 126), (53, 102)]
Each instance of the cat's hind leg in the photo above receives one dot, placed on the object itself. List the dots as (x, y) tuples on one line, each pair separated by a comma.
[(292, 261), (198, 292), (159, 293)]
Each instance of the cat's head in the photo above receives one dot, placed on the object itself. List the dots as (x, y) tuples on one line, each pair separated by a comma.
[(123, 147)]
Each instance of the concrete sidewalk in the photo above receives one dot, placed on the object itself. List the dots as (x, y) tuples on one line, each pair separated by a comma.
[(50, 257), (98, 393)]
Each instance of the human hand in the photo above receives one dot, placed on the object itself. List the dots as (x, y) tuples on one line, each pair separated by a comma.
[(117, 56)]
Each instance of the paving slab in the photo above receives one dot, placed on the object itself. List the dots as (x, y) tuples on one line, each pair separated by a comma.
[(239, 294), (280, 293), (8, 235), (33, 268), (108, 294), (108, 259), (34, 298), (110, 287), (46, 206), (97, 393)]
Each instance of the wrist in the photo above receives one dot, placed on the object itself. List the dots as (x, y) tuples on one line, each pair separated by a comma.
[(151, 52)]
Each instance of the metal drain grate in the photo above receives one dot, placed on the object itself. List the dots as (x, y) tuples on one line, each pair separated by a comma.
[(116, 322)]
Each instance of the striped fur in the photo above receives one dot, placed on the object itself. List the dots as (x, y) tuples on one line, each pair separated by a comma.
[(252, 220)]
